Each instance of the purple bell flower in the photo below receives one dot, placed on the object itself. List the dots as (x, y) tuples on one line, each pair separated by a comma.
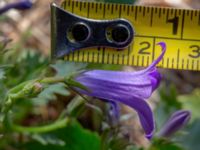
[(20, 5), (130, 88), (176, 121)]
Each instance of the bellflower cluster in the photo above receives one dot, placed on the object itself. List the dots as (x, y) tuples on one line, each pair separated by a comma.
[(19, 4), (129, 88), (176, 121)]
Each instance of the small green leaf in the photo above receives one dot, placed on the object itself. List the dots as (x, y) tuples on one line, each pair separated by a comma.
[(50, 92), (92, 66), (76, 105), (119, 144), (191, 102), (2, 70), (73, 137), (29, 64), (74, 83), (67, 69), (48, 139), (132, 147), (168, 95), (164, 144), (2, 74), (191, 140), (111, 140), (3, 43), (167, 105)]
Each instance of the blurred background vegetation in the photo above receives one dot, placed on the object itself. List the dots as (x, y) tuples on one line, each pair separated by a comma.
[(25, 55)]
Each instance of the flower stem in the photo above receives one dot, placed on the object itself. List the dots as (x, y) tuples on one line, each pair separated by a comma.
[(41, 129), (30, 89), (51, 80)]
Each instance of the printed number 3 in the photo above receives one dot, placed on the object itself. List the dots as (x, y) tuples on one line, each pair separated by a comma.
[(195, 51)]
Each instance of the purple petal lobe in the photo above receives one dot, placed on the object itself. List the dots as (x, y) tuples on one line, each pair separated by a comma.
[(177, 120), (21, 5), (155, 62), (145, 114)]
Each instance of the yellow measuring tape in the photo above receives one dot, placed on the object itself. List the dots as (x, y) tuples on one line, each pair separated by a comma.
[(178, 28)]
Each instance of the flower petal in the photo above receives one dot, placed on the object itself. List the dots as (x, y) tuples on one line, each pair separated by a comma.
[(137, 86), (117, 76), (21, 5), (155, 79), (141, 106), (144, 112), (155, 62)]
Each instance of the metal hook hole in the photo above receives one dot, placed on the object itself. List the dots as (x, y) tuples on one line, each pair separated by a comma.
[(118, 34), (79, 32)]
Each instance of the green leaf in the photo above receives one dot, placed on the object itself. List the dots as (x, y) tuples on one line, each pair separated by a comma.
[(74, 83), (3, 43), (48, 139), (50, 93), (167, 105), (2, 70), (91, 66), (164, 144), (76, 106), (191, 102), (64, 68), (168, 95), (191, 140), (73, 137), (29, 65), (132, 147), (111, 140), (2, 74), (119, 144)]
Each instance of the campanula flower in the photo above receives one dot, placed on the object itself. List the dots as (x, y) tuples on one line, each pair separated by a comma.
[(130, 88), (19, 4), (176, 121)]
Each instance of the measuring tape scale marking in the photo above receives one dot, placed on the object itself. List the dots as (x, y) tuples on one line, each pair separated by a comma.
[(179, 28)]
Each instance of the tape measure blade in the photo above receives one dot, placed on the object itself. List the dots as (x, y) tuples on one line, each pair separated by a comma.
[(178, 28)]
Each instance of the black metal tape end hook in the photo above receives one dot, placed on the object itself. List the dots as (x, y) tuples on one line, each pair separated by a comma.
[(70, 32)]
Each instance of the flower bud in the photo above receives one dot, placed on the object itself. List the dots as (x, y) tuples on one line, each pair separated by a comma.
[(177, 120)]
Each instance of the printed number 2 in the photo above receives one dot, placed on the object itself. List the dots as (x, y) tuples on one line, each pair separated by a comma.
[(146, 45), (195, 50), (174, 21)]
